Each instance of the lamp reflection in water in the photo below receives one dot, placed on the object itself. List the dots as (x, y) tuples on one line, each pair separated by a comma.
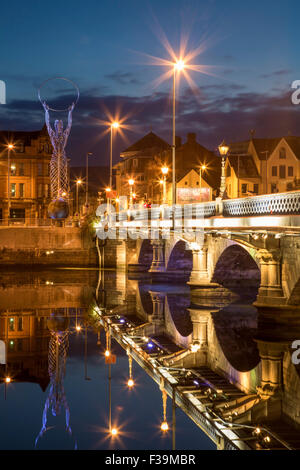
[(58, 324)]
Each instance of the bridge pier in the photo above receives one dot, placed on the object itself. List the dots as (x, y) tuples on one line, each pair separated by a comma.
[(158, 302), (270, 291), (200, 281), (271, 354), (158, 262)]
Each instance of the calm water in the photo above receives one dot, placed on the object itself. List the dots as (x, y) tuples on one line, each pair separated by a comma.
[(83, 389), (58, 397)]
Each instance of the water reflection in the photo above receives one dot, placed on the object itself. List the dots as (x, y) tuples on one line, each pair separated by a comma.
[(224, 354)]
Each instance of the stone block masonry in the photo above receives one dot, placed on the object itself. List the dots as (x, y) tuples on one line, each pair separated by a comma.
[(47, 246)]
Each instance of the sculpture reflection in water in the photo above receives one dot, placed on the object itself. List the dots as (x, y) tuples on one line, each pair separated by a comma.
[(58, 325)]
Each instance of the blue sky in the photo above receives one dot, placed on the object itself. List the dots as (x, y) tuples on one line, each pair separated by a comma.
[(100, 44)]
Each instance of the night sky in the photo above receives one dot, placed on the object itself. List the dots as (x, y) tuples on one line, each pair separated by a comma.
[(104, 46)]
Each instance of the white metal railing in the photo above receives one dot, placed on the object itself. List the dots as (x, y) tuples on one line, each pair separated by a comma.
[(269, 204)]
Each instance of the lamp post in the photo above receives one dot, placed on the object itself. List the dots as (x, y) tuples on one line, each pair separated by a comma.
[(223, 150), (78, 183), (164, 171), (114, 125), (87, 179), (131, 183), (177, 67), (202, 168), (10, 147)]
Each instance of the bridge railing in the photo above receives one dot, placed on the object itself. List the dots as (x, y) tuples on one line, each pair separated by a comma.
[(269, 204)]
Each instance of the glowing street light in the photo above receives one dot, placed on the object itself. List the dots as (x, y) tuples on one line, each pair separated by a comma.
[(202, 168), (78, 183), (107, 353), (131, 183), (78, 328), (165, 171), (164, 426), (223, 150), (10, 147), (178, 66), (114, 432), (7, 380)]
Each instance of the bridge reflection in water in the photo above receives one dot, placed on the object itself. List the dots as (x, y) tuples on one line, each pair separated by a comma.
[(220, 360)]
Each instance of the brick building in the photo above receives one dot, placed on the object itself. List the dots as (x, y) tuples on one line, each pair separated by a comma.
[(29, 182)]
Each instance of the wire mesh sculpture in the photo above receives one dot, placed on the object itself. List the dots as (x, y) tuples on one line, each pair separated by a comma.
[(58, 164), (59, 175), (56, 400)]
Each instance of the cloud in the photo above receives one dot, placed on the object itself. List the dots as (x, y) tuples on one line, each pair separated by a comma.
[(228, 111), (123, 78), (277, 73)]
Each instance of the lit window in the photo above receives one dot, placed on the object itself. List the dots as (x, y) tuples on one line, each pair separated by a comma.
[(11, 324), (244, 188), (13, 189)]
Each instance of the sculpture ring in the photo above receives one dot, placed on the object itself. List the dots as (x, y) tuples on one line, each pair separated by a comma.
[(58, 78)]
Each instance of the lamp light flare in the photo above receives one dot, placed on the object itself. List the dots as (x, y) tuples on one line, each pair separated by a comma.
[(179, 65), (115, 125), (10, 146), (131, 182), (108, 190), (164, 426), (79, 182), (114, 431), (78, 328), (107, 353), (165, 170), (130, 383), (7, 380)]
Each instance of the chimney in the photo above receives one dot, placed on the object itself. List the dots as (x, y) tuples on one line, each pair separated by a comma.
[(191, 138), (177, 141)]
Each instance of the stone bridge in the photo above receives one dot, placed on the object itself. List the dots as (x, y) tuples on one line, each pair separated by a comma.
[(245, 242)]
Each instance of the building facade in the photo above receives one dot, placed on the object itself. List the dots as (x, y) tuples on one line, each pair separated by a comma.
[(25, 194), (143, 162), (263, 166)]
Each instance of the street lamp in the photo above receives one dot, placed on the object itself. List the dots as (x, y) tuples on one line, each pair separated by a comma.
[(202, 168), (131, 183), (223, 150), (10, 147), (87, 178), (164, 171), (78, 183), (178, 66), (113, 126)]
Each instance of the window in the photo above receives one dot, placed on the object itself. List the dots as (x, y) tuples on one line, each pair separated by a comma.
[(274, 170), (13, 169), (11, 345), (21, 147), (197, 183), (255, 188), (21, 169), (13, 190), (21, 189), (244, 188), (40, 169), (282, 153), (11, 324), (290, 171), (20, 324), (282, 171)]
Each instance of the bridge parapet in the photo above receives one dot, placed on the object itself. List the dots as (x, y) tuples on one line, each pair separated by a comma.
[(284, 203)]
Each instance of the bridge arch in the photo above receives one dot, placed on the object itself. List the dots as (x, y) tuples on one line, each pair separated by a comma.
[(145, 253), (235, 266), (180, 258)]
